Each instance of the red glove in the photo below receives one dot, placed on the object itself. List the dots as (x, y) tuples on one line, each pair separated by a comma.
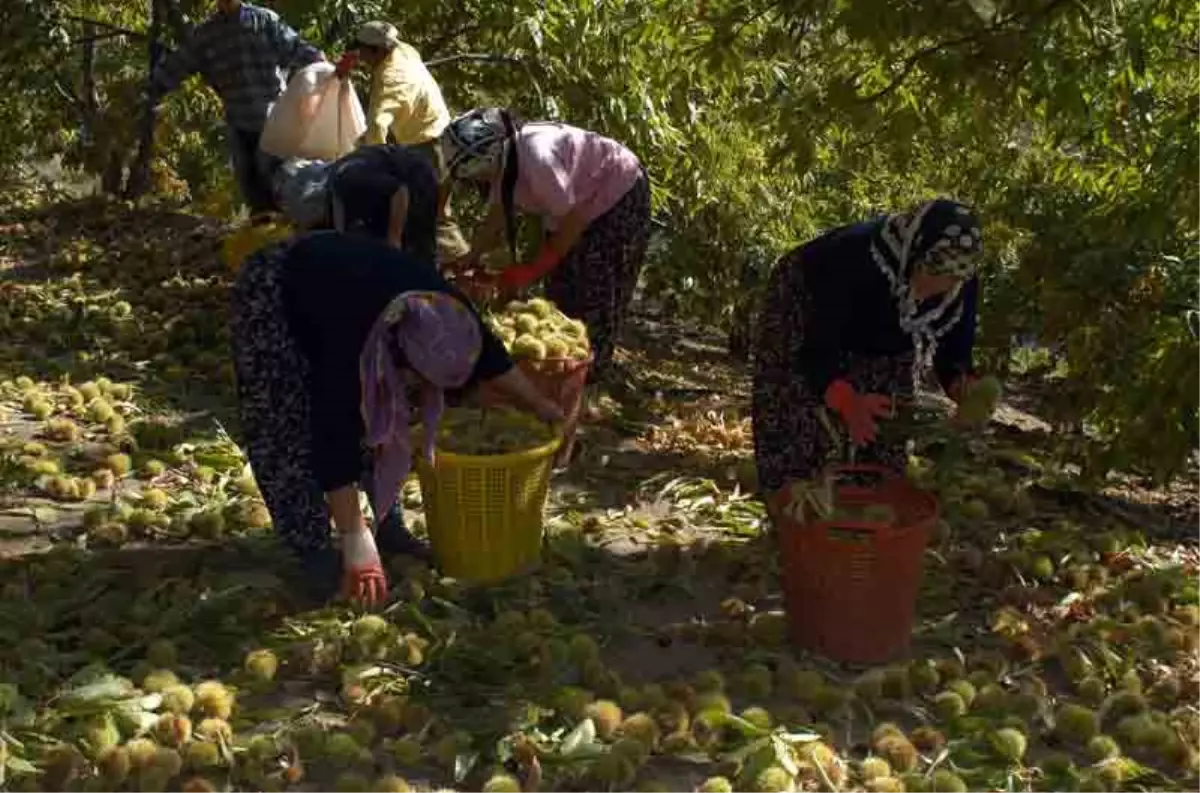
[(365, 585), (346, 63), (858, 411), (525, 274), (363, 579)]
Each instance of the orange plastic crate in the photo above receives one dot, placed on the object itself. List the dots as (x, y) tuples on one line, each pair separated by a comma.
[(850, 587)]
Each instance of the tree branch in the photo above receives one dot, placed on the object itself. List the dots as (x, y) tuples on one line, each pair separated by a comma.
[(475, 57), (913, 60), (441, 41), (112, 34), (750, 20), (116, 30), (66, 92)]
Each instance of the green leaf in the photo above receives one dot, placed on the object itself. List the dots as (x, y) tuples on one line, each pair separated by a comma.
[(784, 755), (580, 738), (18, 765), (463, 764)]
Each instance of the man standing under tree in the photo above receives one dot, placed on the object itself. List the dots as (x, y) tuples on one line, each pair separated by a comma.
[(241, 51), (407, 105)]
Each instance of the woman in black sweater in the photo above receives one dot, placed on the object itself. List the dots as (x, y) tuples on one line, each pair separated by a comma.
[(386, 191), (333, 333), (850, 321)]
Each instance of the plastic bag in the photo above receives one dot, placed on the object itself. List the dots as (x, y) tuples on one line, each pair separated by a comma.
[(318, 117), (301, 191)]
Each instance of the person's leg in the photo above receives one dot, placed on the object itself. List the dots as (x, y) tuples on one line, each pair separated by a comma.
[(392, 536), (632, 224), (265, 166), (274, 411), (790, 440), (595, 281), (451, 243), (242, 156)]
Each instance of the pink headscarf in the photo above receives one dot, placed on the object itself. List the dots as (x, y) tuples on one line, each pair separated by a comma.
[(440, 340)]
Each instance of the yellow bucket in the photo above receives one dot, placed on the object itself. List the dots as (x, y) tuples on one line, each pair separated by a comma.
[(484, 513), (249, 239)]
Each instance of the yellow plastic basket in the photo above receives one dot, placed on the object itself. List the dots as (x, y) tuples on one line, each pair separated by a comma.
[(484, 513), (248, 239)]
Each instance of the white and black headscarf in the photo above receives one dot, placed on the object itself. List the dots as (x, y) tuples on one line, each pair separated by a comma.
[(943, 238)]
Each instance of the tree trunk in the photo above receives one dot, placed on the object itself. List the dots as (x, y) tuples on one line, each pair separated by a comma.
[(114, 172), (741, 330), (89, 99), (741, 326), (174, 18), (139, 170)]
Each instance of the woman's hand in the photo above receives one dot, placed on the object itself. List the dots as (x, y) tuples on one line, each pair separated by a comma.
[(346, 63), (859, 412), (549, 412), (515, 384), (465, 263), (480, 286), (363, 579)]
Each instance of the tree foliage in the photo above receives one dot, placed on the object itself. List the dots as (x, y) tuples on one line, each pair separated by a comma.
[(1070, 125)]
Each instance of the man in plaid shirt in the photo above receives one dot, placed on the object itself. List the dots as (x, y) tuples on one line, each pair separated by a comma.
[(241, 51)]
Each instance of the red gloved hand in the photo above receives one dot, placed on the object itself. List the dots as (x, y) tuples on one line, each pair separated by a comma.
[(346, 63), (363, 579), (859, 412), (525, 274), (365, 585)]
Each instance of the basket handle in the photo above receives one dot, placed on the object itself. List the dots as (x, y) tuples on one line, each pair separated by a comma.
[(883, 474)]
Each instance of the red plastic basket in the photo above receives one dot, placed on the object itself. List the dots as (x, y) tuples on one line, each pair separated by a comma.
[(850, 587), (560, 380)]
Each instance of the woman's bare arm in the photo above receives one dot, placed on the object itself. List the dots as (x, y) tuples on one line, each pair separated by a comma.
[(487, 234), (398, 217), (345, 509)]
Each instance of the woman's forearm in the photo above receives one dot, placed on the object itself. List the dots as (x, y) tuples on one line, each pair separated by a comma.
[(398, 217), (487, 233), (515, 384), (570, 229), (345, 509)]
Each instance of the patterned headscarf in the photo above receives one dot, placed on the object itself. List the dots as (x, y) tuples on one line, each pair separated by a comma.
[(941, 237), (474, 143), (438, 338)]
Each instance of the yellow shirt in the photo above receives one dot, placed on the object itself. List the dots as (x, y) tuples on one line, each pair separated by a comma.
[(406, 100)]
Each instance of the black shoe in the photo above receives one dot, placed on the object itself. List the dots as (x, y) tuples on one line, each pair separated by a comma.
[(393, 538)]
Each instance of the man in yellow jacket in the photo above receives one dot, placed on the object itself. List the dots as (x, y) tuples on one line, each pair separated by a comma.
[(406, 103)]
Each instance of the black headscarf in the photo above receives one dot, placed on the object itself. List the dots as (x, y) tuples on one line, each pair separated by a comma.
[(361, 186)]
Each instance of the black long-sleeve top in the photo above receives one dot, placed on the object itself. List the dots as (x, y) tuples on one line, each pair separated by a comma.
[(364, 181), (334, 288), (850, 308)]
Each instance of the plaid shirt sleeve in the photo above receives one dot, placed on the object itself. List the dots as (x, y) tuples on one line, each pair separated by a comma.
[(293, 51), (173, 70)]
